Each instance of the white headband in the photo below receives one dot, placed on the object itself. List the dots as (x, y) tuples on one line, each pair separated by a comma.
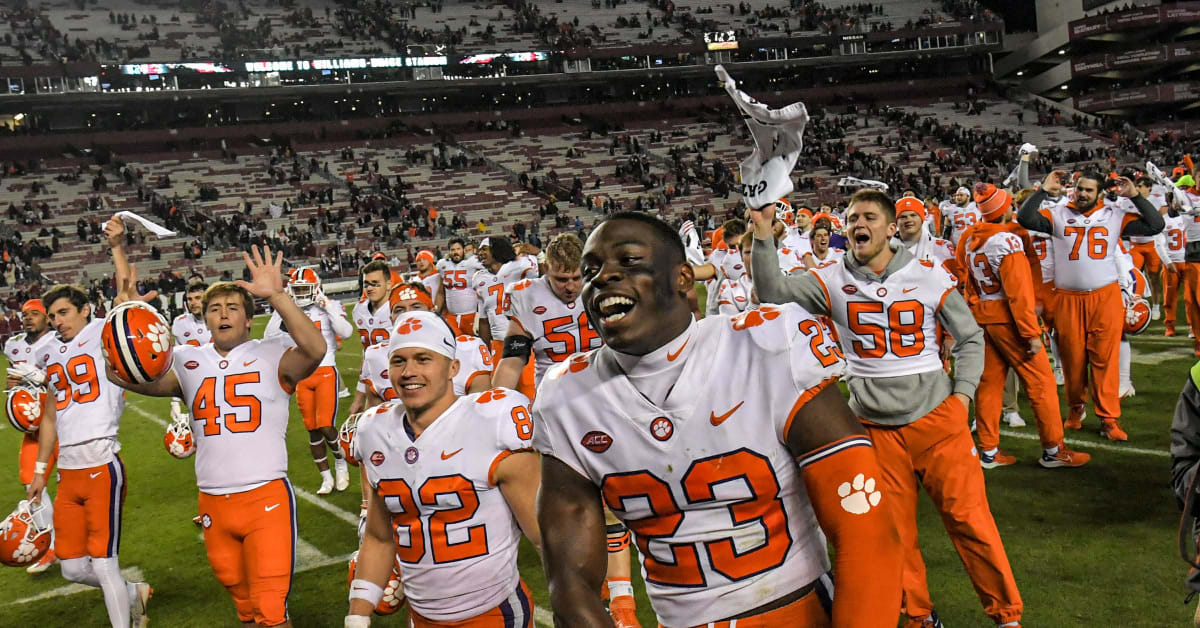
[(425, 330)]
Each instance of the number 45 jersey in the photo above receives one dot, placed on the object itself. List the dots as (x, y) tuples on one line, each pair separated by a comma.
[(455, 534), (714, 498)]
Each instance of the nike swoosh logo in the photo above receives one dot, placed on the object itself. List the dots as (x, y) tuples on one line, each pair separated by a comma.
[(908, 290), (270, 508), (81, 343), (250, 362), (447, 456), (671, 356), (95, 475), (717, 420)]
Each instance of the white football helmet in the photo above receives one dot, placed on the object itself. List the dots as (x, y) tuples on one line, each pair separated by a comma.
[(346, 437), (303, 286), (25, 534)]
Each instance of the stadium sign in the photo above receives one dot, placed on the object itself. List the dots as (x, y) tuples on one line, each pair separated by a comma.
[(721, 40), (1134, 18), (351, 63), (143, 69)]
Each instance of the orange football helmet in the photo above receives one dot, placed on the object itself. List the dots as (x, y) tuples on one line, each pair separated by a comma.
[(393, 593), (346, 437), (1137, 316), (303, 286), (136, 342), (25, 535), (24, 408)]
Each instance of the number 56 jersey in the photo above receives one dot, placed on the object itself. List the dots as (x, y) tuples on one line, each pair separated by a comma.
[(455, 534), (713, 496), (558, 329)]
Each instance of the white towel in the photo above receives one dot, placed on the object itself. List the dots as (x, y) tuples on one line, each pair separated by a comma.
[(778, 138), (156, 229), (854, 182)]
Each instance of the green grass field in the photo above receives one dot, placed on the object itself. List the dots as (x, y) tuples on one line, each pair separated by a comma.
[(1089, 547)]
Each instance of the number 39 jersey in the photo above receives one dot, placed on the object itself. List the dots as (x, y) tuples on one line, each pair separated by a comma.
[(455, 534), (705, 482), (239, 411), (88, 405), (373, 327), (558, 329), (887, 329)]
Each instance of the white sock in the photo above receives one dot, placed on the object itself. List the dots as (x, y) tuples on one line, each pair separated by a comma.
[(80, 570), (993, 451), (1054, 351), (1126, 354), (1051, 451), (326, 475), (617, 588), (116, 590)]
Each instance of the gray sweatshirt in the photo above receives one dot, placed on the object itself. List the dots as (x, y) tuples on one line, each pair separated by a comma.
[(1185, 454), (884, 400)]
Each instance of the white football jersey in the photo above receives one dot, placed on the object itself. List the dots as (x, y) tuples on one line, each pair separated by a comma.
[(790, 260), (1083, 244), (984, 264), (456, 537), (1158, 199), (959, 217), (456, 280), (432, 282), (929, 248), (491, 292), (678, 473), (17, 349), (733, 297), (831, 255), (558, 329), (316, 314), (1171, 242), (190, 330), (239, 411), (796, 241), (888, 329), (89, 405), (474, 359), (373, 327)]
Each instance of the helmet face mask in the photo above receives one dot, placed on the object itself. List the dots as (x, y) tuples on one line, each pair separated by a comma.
[(25, 534), (303, 286)]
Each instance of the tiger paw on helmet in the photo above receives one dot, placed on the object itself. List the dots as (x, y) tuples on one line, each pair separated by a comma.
[(25, 535), (393, 592), (24, 406), (136, 342)]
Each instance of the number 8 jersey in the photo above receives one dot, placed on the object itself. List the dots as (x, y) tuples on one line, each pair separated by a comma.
[(455, 535), (714, 497)]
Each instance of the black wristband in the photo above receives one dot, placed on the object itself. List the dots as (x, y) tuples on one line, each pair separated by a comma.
[(517, 346)]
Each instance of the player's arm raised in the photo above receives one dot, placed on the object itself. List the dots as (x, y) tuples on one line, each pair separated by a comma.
[(517, 346), (1149, 221), (376, 557), (574, 552), (832, 450), (773, 286), (267, 283), (1029, 214)]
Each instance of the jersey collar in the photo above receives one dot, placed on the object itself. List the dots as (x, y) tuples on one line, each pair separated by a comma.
[(654, 375)]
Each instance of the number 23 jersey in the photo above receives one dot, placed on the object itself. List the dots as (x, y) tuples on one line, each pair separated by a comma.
[(712, 494), (454, 532)]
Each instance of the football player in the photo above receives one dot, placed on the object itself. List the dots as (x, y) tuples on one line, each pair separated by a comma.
[(188, 328), (821, 252), (911, 232), (238, 391), (734, 294), (82, 417), (958, 213), (1084, 235), (500, 269), (371, 317), (1000, 292), (1171, 246), (317, 395), (427, 272), (1141, 248), (456, 300), (642, 426), (454, 483), (888, 307), (26, 348)]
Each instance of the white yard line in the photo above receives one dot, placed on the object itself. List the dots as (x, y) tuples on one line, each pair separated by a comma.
[(1087, 444), (132, 574)]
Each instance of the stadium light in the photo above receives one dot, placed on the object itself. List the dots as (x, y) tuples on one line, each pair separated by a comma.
[(1021, 73), (1063, 51), (18, 117)]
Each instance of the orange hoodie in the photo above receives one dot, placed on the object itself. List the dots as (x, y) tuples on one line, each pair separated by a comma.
[(1018, 276)]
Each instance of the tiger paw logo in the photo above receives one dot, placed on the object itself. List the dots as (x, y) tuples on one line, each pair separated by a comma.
[(408, 326), (159, 337), (491, 395), (31, 409), (25, 552), (859, 496), (754, 318), (577, 363)]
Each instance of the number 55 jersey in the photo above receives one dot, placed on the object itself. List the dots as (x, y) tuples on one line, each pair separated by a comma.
[(704, 480), (456, 537)]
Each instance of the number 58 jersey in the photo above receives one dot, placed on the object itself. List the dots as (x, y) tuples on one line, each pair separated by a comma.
[(706, 483), (455, 534)]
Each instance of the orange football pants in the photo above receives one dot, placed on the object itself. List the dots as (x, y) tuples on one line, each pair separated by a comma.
[(525, 385), (1004, 349), (807, 612), (27, 460), (251, 542), (514, 612), (1044, 298), (88, 510), (933, 452), (1191, 296), (462, 324), (316, 396), (1089, 326), (1170, 281), (1145, 257)]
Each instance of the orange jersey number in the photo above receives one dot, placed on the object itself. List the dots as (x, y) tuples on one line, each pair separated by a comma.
[(371, 337), (498, 290), (823, 347), (905, 318), (1175, 239), (550, 328), (83, 385), (1097, 241), (205, 407), (986, 280), (455, 279), (763, 508), (412, 549)]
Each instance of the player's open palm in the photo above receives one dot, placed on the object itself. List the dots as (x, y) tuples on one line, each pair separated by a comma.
[(266, 277)]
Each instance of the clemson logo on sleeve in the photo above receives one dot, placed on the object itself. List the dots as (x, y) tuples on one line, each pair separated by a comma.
[(754, 318)]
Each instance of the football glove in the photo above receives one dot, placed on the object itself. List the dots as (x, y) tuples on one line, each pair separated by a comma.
[(691, 244), (29, 374)]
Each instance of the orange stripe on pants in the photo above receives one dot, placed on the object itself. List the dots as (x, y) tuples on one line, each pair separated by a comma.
[(316, 396), (1170, 282), (806, 612), (937, 451), (1004, 350), (1089, 326)]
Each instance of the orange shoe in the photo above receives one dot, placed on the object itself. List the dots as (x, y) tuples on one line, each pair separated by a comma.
[(1169, 332), (42, 565), (1075, 420), (1064, 458), (1110, 429), (624, 612), (999, 459)]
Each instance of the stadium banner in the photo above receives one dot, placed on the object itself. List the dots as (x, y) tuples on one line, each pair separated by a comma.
[(1134, 18), (1154, 55), (1124, 99)]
